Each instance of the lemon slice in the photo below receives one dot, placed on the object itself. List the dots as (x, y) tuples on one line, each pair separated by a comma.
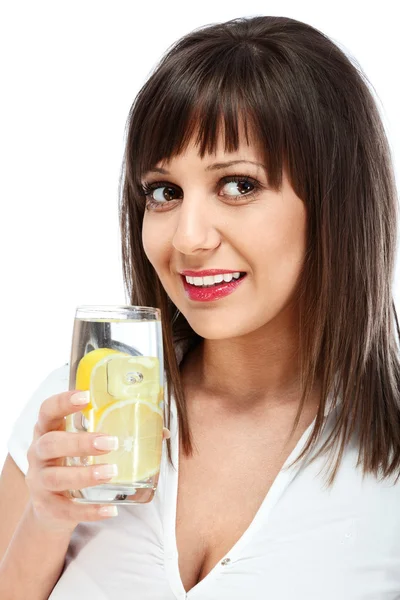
[(84, 373), (138, 424)]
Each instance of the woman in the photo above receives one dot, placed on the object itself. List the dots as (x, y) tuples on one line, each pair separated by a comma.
[(259, 212)]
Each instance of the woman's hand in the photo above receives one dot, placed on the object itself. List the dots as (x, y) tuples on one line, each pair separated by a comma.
[(49, 479)]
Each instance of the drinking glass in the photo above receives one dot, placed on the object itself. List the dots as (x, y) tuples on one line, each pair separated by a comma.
[(117, 355)]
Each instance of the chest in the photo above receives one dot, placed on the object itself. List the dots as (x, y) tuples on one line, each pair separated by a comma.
[(220, 489)]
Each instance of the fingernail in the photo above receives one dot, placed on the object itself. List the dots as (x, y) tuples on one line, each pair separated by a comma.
[(105, 471), (80, 398), (106, 442), (108, 511)]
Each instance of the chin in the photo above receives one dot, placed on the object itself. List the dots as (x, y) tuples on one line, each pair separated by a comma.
[(218, 327)]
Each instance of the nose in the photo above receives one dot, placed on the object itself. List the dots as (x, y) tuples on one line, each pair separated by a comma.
[(196, 229)]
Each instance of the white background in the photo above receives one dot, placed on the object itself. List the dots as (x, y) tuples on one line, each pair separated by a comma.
[(69, 73)]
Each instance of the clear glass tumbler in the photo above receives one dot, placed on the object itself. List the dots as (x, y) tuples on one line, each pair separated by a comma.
[(117, 355)]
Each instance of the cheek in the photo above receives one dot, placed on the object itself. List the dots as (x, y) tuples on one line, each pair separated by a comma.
[(282, 251), (154, 243), (147, 242)]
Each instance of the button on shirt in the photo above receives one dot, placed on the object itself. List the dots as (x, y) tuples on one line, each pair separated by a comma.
[(306, 541)]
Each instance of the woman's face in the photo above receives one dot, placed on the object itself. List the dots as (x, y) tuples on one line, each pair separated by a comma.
[(197, 220)]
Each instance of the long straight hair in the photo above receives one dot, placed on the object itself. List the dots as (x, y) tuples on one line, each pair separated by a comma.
[(311, 109)]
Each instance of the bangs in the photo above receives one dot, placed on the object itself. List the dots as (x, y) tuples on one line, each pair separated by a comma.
[(206, 101)]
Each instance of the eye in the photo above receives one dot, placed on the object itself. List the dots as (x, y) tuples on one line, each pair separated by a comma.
[(242, 185), (159, 194), (165, 194)]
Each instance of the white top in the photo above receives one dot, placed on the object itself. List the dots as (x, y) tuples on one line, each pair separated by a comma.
[(305, 542)]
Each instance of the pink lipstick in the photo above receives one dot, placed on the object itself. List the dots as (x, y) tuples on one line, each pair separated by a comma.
[(213, 292)]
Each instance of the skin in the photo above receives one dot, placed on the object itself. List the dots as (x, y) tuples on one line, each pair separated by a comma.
[(247, 361)]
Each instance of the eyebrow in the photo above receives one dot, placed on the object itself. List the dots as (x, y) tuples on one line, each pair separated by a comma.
[(213, 167)]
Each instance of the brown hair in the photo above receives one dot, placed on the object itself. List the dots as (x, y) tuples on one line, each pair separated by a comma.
[(313, 113)]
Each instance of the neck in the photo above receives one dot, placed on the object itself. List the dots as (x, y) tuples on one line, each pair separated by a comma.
[(246, 372)]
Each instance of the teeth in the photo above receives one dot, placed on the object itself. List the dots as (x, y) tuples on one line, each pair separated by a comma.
[(212, 279), (207, 280)]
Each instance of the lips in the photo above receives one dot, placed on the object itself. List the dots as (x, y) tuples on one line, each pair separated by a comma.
[(215, 292)]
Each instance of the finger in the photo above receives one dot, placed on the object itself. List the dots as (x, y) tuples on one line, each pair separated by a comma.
[(166, 433), (67, 510), (59, 444), (61, 479), (55, 408)]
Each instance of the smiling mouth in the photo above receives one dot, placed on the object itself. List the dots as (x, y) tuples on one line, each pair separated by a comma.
[(216, 284), (210, 293), (213, 281)]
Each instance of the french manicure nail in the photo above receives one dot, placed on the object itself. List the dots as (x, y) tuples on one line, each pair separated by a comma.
[(106, 442), (105, 471), (80, 398), (108, 511)]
